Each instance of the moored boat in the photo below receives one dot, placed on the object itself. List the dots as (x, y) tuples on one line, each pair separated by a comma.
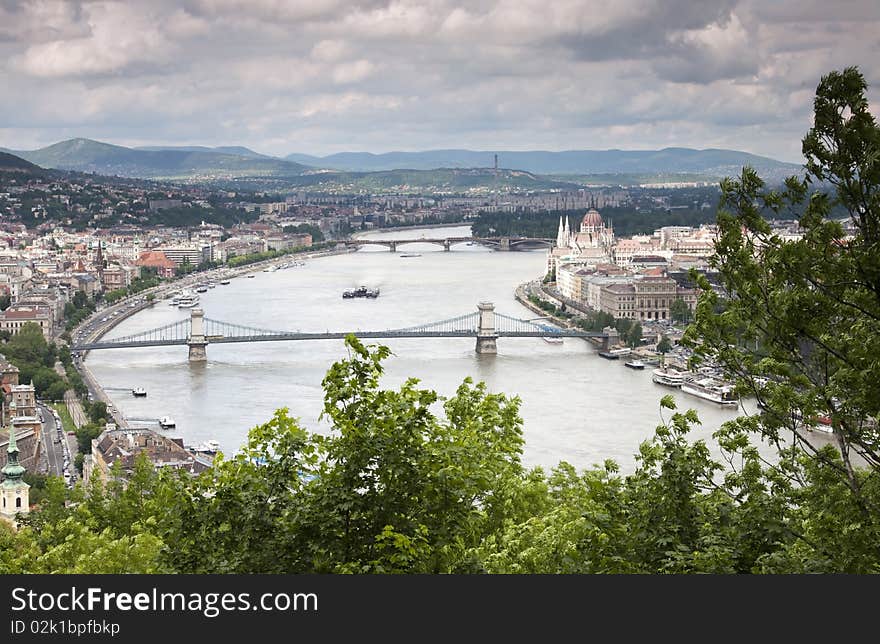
[(634, 364), (711, 389), (668, 377), (167, 422)]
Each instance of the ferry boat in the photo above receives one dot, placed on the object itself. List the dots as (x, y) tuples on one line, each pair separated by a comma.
[(175, 298), (188, 301), (202, 288), (139, 391), (634, 364), (615, 354), (710, 389), (212, 285), (360, 291), (167, 422), (669, 377), (224, 282), (551, 340)]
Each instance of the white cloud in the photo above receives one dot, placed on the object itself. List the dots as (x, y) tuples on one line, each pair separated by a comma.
[(324, 75)]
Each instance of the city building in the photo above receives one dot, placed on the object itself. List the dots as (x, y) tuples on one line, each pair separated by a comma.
[(124, 446), (156, 259), (16, 316)]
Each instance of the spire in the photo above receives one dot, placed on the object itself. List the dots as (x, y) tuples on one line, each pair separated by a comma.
[(12, 471)]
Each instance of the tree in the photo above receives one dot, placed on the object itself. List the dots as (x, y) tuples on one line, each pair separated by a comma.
[(634, 335), (679, 311), (664, 346), (98, 411), (801, 324)]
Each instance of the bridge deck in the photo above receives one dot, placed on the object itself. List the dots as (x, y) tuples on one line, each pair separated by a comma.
[(366, 335)]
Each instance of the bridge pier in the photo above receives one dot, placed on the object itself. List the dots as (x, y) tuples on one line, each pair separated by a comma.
[(393, 247), (486, 335), (446, 245), (610, 339), (197, 342), (505, 243)]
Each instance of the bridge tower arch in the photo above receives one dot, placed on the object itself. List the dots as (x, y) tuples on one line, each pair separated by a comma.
[(486, 334), (197, 341)]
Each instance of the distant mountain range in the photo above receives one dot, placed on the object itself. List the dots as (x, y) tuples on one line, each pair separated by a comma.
[(85, 155), (537, 169), (711, 162)]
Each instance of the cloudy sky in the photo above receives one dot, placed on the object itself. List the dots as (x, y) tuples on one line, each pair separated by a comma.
[(322, 76)]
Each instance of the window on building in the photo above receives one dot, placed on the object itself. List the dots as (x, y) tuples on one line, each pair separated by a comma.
[(18, 502)]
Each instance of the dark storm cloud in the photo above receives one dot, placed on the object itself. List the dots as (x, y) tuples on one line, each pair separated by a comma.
[(325, 75)]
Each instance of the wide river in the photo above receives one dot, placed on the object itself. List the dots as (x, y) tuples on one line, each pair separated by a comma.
[(576, 406)]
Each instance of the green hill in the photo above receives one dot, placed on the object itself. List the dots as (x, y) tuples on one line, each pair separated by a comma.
[(13, 163), (85, 155)]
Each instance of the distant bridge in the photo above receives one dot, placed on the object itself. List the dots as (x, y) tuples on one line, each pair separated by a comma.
[(485, 325), (499, 243)]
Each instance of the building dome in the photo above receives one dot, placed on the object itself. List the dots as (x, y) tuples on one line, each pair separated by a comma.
[(592, 219)]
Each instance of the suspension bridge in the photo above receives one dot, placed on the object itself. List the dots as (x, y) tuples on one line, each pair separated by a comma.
[(485, 325)]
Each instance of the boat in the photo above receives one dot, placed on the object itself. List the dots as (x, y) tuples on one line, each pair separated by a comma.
[(207, 447), (251, 276), (212, 285), (634, 364), (551, 340), (167, 422), (615, 354), (202, 288), (608, 355), (188, 301), (224, 282), (360, 291), (411, 255), (139, 391), (669, 377), (710, 389)]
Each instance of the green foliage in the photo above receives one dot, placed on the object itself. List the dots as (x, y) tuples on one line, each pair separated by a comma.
[(679, 311), (665, 345), (314, 231), (98, 412)]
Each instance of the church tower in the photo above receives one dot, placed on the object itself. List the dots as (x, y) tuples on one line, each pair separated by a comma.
[(14, 495)]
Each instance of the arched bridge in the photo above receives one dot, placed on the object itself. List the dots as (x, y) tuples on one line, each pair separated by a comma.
[(485, 325), (499, 243)]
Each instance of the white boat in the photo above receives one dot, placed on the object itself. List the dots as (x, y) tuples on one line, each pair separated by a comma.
[(188, 301), (669, 377), (167, 422), (551, 340), (251, 276), (139, 391), (634, 364), (224, 282), (710, 389), (207, 447), (212, 285)]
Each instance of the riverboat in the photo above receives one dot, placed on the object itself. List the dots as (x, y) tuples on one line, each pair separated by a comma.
[(634, 364), (710, 389), (139, 392), (224, 282), (167, 422), (188, 301), (360, 291), (551, 340), (202, 288), (669, 377), (207, 447)]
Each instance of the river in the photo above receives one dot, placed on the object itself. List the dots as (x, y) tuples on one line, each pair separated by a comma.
[(576, 406)]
